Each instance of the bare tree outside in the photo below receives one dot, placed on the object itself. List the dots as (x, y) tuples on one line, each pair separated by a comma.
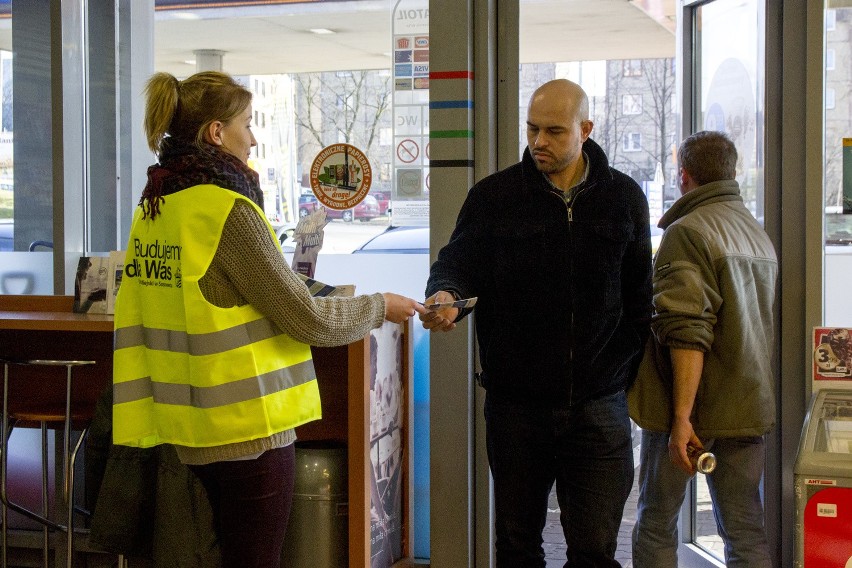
[(609, 123), (838, 106), (343, 107), (637, 129)]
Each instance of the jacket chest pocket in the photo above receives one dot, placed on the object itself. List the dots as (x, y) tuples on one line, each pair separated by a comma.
[(599, 246)]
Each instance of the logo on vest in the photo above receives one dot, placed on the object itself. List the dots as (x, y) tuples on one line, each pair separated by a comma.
[(155, 264)]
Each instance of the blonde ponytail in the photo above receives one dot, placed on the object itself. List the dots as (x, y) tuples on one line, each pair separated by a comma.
[(162, 96)]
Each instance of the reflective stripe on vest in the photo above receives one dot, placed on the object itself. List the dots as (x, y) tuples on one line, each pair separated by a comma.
[(198, 344), (210, 397), (186, 372)]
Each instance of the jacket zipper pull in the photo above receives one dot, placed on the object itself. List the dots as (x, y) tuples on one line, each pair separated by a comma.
[(570, 214)]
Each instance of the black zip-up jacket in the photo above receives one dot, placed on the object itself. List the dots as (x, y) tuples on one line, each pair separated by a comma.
[(564, 289)]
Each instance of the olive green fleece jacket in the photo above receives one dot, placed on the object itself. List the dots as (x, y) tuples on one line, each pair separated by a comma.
[(248, 268), (714, 290)]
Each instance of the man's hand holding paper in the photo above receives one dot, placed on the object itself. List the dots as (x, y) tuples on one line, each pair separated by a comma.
[(442, 316)]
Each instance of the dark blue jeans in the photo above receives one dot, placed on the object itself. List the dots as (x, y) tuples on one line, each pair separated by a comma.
[(587, 451), (251, 502)]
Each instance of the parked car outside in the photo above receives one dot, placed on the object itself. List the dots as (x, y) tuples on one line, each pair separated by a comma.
[(367, 210), (7, 238), (285, 232), (397, 240), (415, 240), (384, 200), (307, 204)]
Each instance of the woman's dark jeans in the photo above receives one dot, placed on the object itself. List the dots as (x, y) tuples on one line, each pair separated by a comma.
[(251, 502), (587, 451)]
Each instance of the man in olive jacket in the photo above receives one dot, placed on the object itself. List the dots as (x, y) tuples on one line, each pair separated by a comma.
[(707, 373)]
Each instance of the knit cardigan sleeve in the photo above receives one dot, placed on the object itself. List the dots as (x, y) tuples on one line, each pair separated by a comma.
[(248, 268)]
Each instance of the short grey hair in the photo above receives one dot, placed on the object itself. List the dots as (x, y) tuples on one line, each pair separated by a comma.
[(708, 156)]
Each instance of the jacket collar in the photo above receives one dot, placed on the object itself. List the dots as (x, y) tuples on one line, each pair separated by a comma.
[(713, 192), (598, 166)]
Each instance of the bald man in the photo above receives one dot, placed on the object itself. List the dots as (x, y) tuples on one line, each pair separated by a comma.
[(557, 249)]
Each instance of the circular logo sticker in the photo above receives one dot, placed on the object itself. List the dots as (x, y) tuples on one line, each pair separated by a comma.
[(341, 176)]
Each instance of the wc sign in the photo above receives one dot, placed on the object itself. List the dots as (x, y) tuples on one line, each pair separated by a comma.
[(411, 120)]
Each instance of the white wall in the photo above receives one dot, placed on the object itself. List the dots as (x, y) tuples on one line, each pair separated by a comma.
[(838, 286)]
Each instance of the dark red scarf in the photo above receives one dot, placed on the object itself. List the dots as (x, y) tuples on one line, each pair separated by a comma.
[(184, 165)]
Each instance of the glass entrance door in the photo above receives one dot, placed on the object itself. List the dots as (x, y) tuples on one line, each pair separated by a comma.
[(722, 89), (624, 59)]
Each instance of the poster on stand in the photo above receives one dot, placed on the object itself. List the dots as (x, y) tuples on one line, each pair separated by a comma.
[(832, 359), (386, 433)]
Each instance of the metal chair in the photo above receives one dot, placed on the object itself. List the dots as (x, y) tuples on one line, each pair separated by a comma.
[(51, 407)]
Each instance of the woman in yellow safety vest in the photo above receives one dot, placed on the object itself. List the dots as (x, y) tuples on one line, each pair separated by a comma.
[(212, 328)]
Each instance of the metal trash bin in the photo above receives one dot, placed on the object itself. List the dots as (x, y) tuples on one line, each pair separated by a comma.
[(318, 531)]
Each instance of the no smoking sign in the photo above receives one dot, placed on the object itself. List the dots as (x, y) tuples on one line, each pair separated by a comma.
[(407, 151)]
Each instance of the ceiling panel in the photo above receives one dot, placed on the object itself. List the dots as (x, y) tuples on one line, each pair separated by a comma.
[(275, 39)]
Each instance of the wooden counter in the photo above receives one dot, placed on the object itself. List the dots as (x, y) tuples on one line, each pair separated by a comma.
[(55, 321), (44, 327), (48, 313)]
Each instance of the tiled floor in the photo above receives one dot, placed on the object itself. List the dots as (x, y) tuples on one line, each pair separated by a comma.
[(554, 542)]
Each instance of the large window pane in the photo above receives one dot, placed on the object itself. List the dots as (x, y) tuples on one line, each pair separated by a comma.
[(325, 73), (320, 74), (26, 181), (727, 59), (729, 86), (838, 167)]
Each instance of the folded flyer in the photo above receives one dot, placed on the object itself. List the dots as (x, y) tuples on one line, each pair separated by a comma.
[(460, 304)]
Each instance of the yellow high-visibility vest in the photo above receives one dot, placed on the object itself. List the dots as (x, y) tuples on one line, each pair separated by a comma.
[(185, 371)]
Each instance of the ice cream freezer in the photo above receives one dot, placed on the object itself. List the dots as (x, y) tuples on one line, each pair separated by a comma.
[(823, 477)]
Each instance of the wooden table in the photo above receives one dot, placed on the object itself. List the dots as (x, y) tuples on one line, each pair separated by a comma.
[(44, 327)]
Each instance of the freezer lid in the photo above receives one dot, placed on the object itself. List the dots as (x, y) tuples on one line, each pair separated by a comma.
[(826, 443)]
